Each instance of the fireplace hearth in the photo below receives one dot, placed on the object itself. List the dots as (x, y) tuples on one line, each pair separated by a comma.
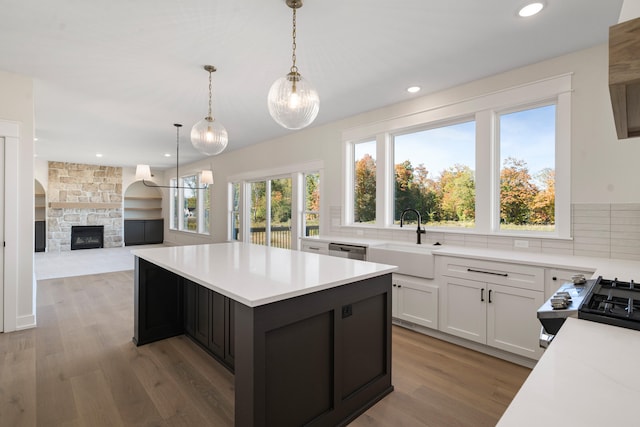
[(87, 237)]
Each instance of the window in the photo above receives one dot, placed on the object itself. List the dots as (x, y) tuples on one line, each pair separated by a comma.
[(280, 218), (235, 211), (190, 205), (312, 204), (364, 189), (527, 169), (276, 207), (492, 164), (434, 173)]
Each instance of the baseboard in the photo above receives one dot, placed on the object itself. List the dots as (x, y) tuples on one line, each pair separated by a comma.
[(25, 322)]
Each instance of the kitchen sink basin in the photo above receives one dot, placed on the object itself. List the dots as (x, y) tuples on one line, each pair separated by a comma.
[(413, 260)]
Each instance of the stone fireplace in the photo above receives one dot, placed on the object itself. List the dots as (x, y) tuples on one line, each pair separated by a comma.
[(84, 195)]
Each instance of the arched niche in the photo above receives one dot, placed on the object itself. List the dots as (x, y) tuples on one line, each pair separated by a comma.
[(143, 220)]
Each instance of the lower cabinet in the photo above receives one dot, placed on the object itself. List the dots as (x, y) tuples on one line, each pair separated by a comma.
[(209, 319), (143, 231), (415, 300), (40, 236), (501, 315)]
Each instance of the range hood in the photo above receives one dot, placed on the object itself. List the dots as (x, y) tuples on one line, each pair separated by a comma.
[(624, 77)]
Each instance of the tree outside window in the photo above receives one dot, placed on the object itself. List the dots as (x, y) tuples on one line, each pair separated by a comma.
[(364, 200), (527, 174)]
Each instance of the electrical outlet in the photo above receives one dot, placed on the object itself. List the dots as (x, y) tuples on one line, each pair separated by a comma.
[(521, 243)]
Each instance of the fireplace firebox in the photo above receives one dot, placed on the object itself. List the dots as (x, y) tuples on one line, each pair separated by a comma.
[(87, 236)]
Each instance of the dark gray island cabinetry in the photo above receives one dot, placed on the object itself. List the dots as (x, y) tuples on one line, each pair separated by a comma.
[(307, 336)]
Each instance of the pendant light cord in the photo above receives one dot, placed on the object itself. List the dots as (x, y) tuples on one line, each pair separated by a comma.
[(178, 126)]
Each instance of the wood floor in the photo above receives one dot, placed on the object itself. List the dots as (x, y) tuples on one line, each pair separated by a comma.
[(80, 368)]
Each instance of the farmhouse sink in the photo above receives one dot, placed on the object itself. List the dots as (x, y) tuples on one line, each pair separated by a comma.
[(413, 260)]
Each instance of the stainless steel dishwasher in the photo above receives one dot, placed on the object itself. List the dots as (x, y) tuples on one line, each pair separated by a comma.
[(348, 251)]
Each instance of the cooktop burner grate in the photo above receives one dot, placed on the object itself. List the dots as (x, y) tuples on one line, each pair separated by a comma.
[(613, 302)]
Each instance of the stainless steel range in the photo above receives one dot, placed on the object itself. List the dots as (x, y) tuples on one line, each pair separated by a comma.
[(613, 302), (609, 301), (564, 303)]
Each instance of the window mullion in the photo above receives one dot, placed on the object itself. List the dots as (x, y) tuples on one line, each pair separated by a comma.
[(486, 175)]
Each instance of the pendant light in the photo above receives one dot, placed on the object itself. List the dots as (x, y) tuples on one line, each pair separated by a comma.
[(143, 172), (208, 136), (293, 102)]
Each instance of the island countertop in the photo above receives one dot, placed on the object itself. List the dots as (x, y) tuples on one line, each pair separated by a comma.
[(255, 275)]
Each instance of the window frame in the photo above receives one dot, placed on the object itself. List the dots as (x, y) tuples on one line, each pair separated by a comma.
[(296, 172), (484, 109), (176, 204)]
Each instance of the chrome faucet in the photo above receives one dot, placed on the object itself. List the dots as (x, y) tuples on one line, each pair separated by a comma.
[(419, 231)]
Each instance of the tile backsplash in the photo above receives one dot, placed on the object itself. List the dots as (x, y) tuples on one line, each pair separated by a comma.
[(598, 230)]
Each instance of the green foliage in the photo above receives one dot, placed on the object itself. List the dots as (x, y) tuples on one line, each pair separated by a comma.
[(450, 199), (365, 190)]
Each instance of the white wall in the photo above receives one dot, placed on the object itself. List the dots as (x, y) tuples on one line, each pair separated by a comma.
[(16, 105)]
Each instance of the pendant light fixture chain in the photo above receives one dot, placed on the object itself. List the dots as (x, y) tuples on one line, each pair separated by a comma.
[(210, 69), (294, 68)]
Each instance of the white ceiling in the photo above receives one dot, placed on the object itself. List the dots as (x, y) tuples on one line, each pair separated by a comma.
[(113, 76)]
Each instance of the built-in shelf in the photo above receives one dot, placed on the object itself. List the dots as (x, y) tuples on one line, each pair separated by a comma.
[(142, 203)]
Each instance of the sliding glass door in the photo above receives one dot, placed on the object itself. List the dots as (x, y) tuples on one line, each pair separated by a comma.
[(270, 212)]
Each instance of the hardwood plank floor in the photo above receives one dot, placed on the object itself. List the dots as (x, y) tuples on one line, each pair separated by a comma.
[(80, 368)]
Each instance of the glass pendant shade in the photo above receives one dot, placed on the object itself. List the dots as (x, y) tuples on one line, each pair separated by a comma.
[(209, 137), (293, 102)]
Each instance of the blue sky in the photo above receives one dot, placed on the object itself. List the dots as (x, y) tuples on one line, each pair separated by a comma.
[(526, 135)]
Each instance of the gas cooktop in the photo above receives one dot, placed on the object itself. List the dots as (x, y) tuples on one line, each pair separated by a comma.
[(613, 302)]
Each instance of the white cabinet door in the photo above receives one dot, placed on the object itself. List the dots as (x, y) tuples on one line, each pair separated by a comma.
[(417, 302), (463, 309), (512, 324)]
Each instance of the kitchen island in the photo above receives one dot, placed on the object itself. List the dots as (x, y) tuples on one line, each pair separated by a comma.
[(307, 336), (587, 377)]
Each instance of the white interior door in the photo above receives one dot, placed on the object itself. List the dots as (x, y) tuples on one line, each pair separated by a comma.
[(2, 180)]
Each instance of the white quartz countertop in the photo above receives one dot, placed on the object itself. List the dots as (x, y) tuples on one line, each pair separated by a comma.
[(588, 376), (605, 267), (255, 275)]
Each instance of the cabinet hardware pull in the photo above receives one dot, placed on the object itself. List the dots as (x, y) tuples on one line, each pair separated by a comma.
[(482, 295), (490, 295), (471, 270), (314, 248)]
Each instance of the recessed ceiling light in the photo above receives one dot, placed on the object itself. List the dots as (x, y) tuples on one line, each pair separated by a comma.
[(98, 154), (413, 89), (35, 139), (530, 9), (167, 155)]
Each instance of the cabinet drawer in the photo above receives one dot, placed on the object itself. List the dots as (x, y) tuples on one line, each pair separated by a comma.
[(516, 275), (315, 247)]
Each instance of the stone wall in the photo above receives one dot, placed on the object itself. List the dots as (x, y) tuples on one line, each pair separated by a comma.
[(81, 194)]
